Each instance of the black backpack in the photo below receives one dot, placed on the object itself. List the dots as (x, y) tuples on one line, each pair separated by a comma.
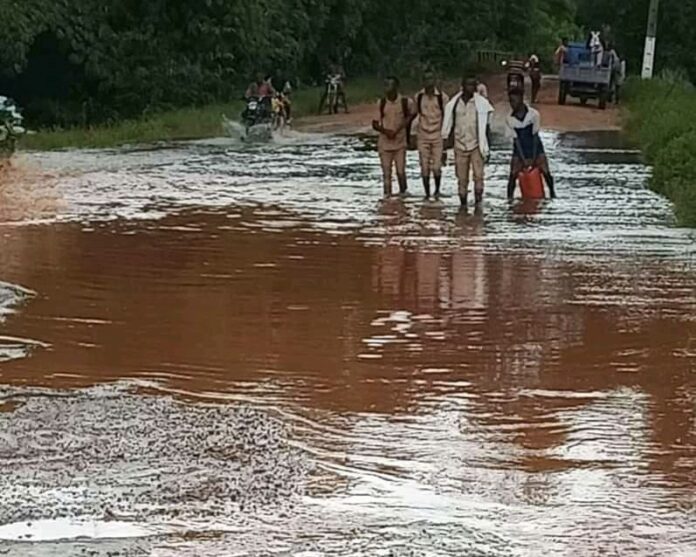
[(405, 111)]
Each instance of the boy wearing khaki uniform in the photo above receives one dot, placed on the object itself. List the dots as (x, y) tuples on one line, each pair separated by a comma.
[(430, 105), (395, 115), (467, 123)]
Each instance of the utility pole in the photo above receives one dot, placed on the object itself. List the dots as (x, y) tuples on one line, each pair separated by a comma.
[(650, 39)]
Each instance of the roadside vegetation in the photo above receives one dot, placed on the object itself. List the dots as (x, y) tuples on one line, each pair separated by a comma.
[(661, 117), (180, 124), (93, 62)]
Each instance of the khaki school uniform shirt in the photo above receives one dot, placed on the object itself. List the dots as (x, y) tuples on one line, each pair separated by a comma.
[(430, 117), (393, 119), (466, 126)]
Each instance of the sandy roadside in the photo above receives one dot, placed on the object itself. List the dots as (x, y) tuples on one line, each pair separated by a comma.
[(570, 118)]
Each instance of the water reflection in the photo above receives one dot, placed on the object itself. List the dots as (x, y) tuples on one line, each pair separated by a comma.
[(455, 394)]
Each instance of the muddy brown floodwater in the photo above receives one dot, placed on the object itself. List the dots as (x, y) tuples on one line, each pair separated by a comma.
[(214, 349)]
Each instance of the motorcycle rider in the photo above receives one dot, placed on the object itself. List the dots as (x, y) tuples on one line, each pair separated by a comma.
[(335, 73), (283, 88), (262, 90)]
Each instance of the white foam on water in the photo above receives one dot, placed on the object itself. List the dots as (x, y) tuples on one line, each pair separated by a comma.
[(69, 529)]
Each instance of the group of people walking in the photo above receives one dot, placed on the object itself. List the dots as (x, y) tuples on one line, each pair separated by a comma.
[(461, 123)]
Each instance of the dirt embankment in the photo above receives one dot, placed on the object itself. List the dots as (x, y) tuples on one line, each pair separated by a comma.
[(570, 118)]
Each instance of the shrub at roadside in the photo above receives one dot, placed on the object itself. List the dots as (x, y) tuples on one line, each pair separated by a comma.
[(10, 127), (662, 118)]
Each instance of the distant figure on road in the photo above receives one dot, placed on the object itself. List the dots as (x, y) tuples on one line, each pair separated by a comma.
[(334, 92), (516, 70), (430, 106), (481, 88), (524, 124), (534, 68), (395, 116), (467, 127), (613, 61)]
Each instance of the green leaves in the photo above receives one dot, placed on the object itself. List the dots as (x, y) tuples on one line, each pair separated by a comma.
[(131, 56)]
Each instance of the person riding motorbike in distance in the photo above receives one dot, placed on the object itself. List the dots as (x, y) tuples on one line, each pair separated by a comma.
[(260, 89), (336, 75), (283, 89)]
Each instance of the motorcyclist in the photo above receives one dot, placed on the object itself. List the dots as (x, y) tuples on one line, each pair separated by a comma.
[(259, 101), (261, 88), (335, 74), (283, 92)]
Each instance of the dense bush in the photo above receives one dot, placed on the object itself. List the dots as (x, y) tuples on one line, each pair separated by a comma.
[(662, 117), (77, 62), (10, 127), (84, 61), (626, 22)]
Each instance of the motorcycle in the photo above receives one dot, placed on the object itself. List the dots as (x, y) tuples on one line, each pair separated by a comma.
[(279, 106), (264, 115), (333, 83), (333, 94), (257, 115)]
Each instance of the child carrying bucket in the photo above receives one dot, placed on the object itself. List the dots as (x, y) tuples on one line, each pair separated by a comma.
[(529, 165)]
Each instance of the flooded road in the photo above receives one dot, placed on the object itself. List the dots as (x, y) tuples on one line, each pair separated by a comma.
[(216, 350)]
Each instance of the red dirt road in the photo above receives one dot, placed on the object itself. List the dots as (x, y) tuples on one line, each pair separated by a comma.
[(569, 118)]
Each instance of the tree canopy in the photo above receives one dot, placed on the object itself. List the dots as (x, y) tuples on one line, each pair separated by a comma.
[(81, 61)]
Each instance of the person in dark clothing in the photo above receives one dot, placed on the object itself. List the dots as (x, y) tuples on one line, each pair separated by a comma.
[(524, 124)]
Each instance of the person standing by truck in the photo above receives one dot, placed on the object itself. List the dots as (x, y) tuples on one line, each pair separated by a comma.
[(395, 116), (430, 106), (613, 61), (560, 57)]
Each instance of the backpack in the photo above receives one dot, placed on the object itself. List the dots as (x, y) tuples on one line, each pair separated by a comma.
[(449, 142), (407, 117)]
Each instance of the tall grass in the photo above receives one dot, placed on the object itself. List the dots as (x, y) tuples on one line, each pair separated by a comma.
[(180, 124), (661, 116)]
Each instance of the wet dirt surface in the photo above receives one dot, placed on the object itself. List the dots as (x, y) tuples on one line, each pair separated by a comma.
[(221, 350), (572, 117)]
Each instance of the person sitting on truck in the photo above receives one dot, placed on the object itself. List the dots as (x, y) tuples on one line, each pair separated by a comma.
[(524, 124)]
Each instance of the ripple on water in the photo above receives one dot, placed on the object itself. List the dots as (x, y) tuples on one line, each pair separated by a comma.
[(332, 184), (11, 296), (478, 465)]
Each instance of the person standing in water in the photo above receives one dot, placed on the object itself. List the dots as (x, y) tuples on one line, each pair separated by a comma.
[(524, 124), (395, 116), (466, 126), (430, 105)]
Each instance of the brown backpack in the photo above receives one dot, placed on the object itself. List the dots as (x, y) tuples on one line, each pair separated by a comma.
[(407, 116)]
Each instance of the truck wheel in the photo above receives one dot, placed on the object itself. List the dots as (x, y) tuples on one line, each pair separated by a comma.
[(562, 93), (603, 94)]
